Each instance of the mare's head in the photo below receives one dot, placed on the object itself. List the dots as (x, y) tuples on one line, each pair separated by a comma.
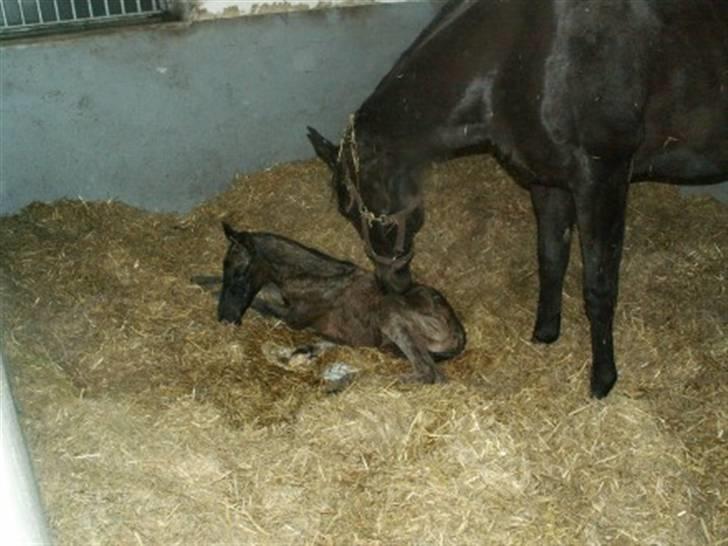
[(377, 191), (241, 276)]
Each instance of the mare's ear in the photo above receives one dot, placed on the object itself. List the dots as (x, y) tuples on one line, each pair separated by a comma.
[(325, 150)]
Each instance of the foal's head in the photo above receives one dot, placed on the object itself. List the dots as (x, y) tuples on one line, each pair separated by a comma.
[(241, 276), (377, 191), (435, 321)]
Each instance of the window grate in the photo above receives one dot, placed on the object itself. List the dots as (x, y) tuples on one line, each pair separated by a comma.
[(20, 17)]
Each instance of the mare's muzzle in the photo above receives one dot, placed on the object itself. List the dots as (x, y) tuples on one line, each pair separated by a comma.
[(394, 279), (392, 271)]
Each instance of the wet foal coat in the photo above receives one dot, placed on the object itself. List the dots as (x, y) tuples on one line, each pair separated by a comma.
[(338, 300)]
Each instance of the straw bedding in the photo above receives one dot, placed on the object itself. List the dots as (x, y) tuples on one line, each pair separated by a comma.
[(152, 423)]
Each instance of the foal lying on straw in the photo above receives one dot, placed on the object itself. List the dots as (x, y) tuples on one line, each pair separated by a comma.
[(338, 300)]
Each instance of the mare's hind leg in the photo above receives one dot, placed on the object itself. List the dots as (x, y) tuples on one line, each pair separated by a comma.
[(555, 214), (601, 200)]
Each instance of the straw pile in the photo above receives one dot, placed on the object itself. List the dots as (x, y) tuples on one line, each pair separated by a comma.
[(151, 423)]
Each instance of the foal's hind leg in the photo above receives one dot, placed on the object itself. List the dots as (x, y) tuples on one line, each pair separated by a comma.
[(398, 330), (555, 213)]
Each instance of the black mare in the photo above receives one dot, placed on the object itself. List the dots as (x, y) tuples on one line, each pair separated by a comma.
[(576, 98)]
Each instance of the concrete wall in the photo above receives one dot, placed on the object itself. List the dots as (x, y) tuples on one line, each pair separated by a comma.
[(719, 191), (162, 117)]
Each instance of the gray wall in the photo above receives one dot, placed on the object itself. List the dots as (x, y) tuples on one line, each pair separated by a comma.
[(162, 117), (719, 191)]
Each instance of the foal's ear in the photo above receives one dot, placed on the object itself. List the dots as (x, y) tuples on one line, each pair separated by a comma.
[(232, 235), (325, 150), (239, 238)]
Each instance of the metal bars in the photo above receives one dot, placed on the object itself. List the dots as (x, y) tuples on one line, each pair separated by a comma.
[(20, 16)]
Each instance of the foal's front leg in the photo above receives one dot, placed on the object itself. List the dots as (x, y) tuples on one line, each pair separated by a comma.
[(554, 208), (399, 331), (270, 301)]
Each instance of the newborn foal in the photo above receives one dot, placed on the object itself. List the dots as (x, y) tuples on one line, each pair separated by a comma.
[(340, 301)]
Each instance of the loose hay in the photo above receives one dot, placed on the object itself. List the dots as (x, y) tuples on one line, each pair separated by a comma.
[(151, 423)]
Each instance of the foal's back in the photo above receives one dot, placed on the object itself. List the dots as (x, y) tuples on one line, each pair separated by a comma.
[(346, 303)]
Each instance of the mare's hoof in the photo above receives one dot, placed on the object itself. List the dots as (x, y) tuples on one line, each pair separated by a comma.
[(544, 338), (545, 335), (547, 331), (602, 384)]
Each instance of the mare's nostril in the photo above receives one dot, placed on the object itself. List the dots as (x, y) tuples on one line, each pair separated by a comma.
[(397, 281)]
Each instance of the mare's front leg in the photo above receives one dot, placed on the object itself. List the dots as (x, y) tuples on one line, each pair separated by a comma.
[(399, 331), (554, 209), (601, 199)]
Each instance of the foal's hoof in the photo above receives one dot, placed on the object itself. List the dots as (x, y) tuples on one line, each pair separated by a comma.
[(337, 377), (432, 376), (294, 358), (601, 384)]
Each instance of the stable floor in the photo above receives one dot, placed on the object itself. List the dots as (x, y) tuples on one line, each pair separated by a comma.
[(151, 423)]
